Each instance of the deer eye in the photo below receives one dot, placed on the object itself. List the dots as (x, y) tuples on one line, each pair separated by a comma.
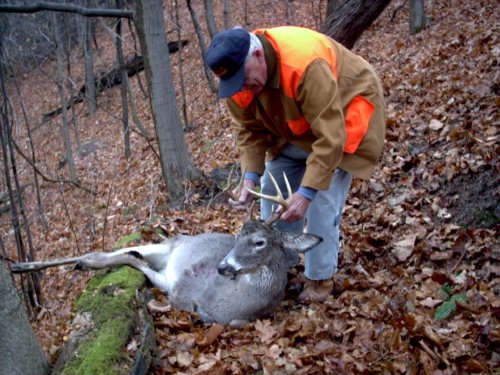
[(260, 243)]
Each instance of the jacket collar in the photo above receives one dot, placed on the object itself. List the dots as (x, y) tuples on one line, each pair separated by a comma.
[(273, 77)]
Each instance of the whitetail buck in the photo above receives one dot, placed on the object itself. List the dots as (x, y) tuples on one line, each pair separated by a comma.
[(224, 278)]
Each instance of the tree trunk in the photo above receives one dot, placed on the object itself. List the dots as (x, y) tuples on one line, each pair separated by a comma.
[(21, 352), (40, 209), (290, 13), (67, 53), (89, 65), (209, 16), (133, 108), (331, 6), (187, 125), (60, 85), (33, 282), (418, 19), (203, 48), (123, 86), (30, 285), (245, 6), (346, 20), (38, 6), (227, 14), (131, 27), (316, 13), (175, 158)]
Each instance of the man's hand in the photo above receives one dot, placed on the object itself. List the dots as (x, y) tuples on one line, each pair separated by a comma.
[(245, 197), (298, 205)]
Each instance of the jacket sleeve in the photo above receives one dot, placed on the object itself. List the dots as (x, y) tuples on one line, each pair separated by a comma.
[(252, 138), (319, 100)]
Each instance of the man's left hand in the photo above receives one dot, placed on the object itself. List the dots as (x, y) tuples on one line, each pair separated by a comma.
[(297, 208)]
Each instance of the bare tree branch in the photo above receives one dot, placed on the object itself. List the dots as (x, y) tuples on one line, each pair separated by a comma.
[(70, 8), (41, 174)]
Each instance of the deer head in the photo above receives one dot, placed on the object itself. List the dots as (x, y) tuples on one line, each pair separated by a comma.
[(261, 244)]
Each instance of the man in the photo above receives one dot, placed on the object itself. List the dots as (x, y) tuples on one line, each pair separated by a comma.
[(317, 111)]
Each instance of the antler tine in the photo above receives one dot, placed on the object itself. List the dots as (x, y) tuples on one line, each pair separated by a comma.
[(278, 198), (229, 188)]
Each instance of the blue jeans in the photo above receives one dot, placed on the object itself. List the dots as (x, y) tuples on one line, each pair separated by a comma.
[(323, 215)]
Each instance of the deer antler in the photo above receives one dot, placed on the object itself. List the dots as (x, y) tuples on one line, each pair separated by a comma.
[(235, 194), (278, 198), (229, 188)]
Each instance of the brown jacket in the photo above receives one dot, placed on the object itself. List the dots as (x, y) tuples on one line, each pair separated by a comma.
[(323, 100)]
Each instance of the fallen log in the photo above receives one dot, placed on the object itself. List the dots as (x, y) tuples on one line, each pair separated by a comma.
[(111, 78), (111, 323)]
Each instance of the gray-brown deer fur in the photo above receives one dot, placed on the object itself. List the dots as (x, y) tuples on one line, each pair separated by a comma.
[(224, 278)]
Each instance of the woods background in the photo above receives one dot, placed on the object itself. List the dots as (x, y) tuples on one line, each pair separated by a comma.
[(78, 175)]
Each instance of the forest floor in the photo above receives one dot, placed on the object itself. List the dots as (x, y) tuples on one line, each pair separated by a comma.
[(418, 284)]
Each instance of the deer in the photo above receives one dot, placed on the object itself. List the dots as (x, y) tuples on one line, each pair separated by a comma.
[(224, 278)]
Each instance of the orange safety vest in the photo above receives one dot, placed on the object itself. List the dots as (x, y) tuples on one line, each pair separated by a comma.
[(296, 48)]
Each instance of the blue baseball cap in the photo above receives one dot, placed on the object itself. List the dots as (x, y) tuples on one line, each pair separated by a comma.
[(226, 57)]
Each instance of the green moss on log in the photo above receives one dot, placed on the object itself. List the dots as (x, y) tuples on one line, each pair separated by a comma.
[(111, 295), (104, 352), (111, 298)]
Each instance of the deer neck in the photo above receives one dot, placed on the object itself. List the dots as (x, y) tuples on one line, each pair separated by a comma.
[(266, 277)]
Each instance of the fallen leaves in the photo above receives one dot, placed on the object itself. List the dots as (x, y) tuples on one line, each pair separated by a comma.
[(436, 124), (404, 249), (404, 232)]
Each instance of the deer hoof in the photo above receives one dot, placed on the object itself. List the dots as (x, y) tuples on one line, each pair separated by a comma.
[(238, 323)]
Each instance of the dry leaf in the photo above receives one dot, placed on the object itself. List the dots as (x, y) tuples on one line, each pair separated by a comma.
[(184, 359), (430, 302), (213, 332), (435, 125), (404, 249)]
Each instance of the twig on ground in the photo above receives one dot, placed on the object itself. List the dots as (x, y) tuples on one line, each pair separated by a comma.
[(465, 306), (428, 350), (458, 261)]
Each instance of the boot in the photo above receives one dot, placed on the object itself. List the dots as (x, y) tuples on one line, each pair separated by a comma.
[(316, 290)]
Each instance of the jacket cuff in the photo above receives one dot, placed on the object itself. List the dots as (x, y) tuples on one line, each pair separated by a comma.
[(307, 192), (255, 177)]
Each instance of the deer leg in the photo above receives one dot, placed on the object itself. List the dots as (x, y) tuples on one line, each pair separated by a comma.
[(149, 259), (37, 266), (155, 255), (204, 316), (157, 279), (238, 323), (130, 258)]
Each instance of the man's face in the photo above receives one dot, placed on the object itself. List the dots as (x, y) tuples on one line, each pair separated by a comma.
[(255, 72)]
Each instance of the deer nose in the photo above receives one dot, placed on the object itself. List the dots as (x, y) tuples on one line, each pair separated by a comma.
[(223, 268)]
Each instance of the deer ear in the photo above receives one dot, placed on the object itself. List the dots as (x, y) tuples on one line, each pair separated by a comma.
[(301, 242)]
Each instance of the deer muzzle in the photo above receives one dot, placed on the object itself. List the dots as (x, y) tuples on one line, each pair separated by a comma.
[(225, 269)]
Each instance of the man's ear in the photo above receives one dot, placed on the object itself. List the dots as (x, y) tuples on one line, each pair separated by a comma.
[(258, 53)]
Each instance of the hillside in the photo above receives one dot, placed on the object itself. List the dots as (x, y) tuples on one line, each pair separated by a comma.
[(420, 234)]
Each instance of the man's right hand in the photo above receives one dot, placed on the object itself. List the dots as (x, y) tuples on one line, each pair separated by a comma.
[(245, 198)]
